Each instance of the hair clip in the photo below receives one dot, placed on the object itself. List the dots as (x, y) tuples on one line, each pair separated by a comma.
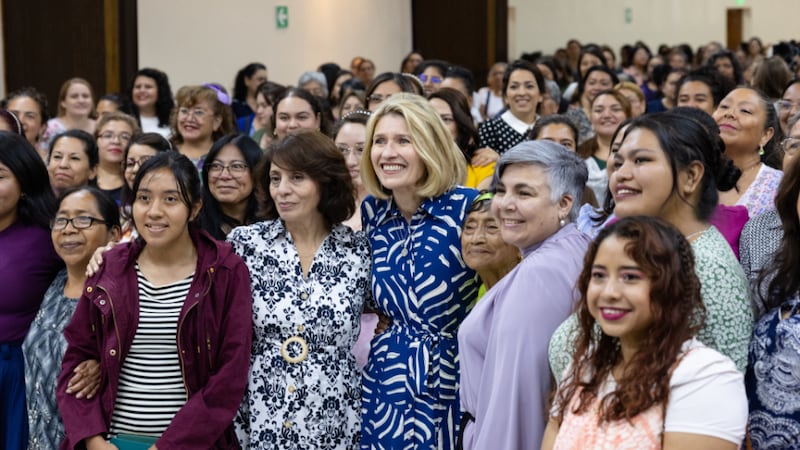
[(223, 97), (357, 111), (486, 195)]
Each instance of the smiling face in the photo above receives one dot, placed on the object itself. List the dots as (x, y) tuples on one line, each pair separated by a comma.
[(524, 208), (27, 111), (640, 176), (78, 101), (145, 92), (522, 93), (296, 196), (350, 140), (69, 165), (789, 104), (618, 295), (293, 114), (607, 114), (741, 118), (74, 246), (597, 82), (587, 61), (482, 244), (198, 123), (394, 156), (161, 216), (696, 94), (231, 187), (112, 140)]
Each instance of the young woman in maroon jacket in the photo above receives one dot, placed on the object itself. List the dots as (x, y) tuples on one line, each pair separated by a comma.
[(163, 316)]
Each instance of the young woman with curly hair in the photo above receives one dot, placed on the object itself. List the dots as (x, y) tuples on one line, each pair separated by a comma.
[(641, 380)]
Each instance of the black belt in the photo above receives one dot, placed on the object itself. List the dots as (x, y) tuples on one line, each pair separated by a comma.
[(466, 418)]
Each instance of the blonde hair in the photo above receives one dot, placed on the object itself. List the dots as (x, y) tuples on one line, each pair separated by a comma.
[(631, 86), (445, 165), (62, 95)]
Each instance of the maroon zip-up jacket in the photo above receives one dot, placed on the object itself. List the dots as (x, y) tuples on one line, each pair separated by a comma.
[(214, 336)]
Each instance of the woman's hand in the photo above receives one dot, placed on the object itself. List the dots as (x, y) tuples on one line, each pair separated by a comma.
[(383, 323), (97, 259), (484, 156), (98, 443), (86, 381)]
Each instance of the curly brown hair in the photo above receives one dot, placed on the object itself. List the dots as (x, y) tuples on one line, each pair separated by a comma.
[(666, 257)]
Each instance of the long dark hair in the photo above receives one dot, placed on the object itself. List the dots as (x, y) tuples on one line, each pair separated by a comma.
[(785, 283), (37, 204), (239, 88), (467, 138), (164, 102), (211, 218), (666, 258)]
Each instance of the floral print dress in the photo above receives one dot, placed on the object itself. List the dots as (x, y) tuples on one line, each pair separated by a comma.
[(304, 389)]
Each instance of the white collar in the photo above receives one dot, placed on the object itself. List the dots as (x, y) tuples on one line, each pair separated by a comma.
[(518, 125)]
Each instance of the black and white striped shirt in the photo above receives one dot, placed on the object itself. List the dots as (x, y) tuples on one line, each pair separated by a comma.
[(151, 388)]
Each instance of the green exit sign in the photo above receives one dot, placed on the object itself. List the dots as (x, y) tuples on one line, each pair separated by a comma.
[(739, 2), (281, 17)]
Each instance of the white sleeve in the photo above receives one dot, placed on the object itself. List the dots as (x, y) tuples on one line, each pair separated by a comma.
[(707, 397)]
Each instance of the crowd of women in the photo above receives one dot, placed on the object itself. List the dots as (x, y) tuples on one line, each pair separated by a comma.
[(397, 261)]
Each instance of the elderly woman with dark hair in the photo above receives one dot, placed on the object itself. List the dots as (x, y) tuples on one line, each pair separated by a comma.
[(310, 279), (505, 378)]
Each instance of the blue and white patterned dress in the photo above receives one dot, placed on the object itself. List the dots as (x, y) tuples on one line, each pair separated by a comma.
[(773, 380), (312, 403), (420, 281)]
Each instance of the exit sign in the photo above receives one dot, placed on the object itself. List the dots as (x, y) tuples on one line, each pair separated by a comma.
[(281, 17)]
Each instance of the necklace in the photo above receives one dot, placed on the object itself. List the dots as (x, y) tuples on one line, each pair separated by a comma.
[(751, 166), (691, 236)]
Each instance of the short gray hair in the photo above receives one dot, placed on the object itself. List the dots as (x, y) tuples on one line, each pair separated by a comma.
[(566, 172), (553, 90), (319, 77)]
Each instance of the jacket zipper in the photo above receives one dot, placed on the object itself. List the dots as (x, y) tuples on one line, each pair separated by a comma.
[(181, 350)]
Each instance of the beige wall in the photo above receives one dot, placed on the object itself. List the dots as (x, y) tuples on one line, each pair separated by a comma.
[(195, 41), (548, 24)]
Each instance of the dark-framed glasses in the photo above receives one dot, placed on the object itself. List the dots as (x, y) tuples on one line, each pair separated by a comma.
[(235, 168), (78, 222)]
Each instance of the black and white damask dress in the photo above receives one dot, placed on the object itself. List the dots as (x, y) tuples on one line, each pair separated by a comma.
[(304, 389)]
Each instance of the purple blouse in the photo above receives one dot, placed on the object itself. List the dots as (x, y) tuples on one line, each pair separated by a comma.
[(28, 264), (505, 376)]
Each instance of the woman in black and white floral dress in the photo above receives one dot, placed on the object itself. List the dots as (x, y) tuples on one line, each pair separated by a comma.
[(310, 279)]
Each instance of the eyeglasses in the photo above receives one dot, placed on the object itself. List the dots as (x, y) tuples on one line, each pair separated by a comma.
[(787, 105), (235, 168), (130, 163), (358, 149), (197, 113), (432, 78), (790, 146), (79, 222), (377, 99), (109, 136)]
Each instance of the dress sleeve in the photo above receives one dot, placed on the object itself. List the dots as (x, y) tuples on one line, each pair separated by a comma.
[(707, 397)]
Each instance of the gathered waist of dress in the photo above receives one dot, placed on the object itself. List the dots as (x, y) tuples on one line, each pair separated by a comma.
[(420, 333), (304, 341)]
